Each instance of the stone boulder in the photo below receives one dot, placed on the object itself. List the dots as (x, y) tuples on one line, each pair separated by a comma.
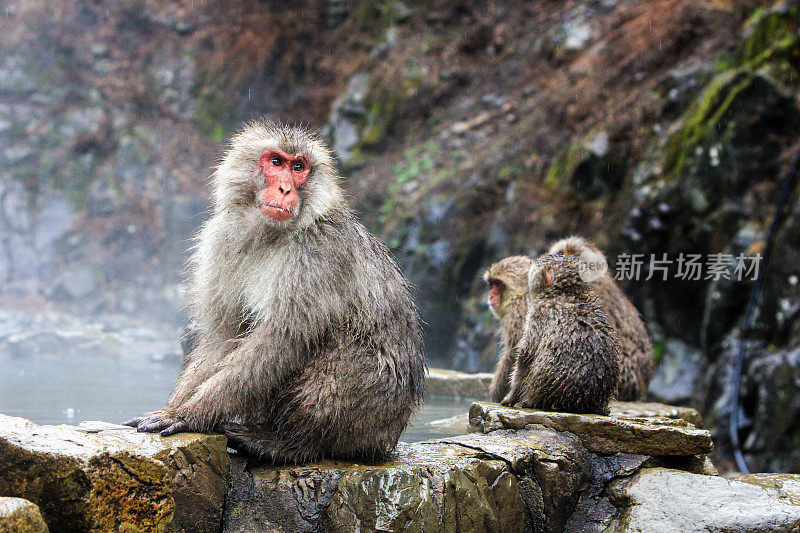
[(426, 487), (102, 477), (443, 382), (20, 516), (531, 480), (626, 430), (783, 486), (666, 501)]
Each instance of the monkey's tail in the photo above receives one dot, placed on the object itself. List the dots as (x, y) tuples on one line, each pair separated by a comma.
[(789, 184)]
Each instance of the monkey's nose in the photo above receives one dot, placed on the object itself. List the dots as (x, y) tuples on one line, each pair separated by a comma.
[(285, 188)]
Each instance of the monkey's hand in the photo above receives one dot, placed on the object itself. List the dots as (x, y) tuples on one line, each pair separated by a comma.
[(163, 422)]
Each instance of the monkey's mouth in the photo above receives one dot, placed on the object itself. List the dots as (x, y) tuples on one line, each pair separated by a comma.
[(262, 205)]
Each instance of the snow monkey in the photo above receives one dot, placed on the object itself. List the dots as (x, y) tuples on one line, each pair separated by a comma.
[(507, 280), (309, 344), (568, 358), (637, 349)]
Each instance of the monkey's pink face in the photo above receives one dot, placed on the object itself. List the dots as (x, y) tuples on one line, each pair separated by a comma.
[(496, 288), (283, 174)]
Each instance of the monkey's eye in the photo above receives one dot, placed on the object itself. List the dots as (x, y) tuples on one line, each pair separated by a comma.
[(276, 161), (298, 166)]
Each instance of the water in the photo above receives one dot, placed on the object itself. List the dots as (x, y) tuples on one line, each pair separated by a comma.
[(70, 390), (50, 390)]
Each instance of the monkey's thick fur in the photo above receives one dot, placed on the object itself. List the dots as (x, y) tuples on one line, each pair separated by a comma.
[(569, 356), (513, 273), (637, 348), (309, 343)]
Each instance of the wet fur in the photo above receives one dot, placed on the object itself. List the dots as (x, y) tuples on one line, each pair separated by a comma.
[(637, 348), (309, 342), (569, 356), (513, 272)]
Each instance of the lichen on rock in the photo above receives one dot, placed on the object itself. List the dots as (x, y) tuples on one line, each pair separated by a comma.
[(101, 477), (18, 515)]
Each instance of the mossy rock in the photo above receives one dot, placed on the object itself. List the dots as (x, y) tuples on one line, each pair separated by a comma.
[(588, 173), (772, 35), (732, 123), (425, 487), (20, 516), (103, 477)]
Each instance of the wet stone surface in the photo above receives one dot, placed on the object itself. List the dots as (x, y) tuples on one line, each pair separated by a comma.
[(627, 430), (543, 471), (100, 477), (665, 500), (536, 479), (784, 486), (427, 487)]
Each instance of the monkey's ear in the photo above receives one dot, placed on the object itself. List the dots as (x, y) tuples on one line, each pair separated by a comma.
[(548, 279)]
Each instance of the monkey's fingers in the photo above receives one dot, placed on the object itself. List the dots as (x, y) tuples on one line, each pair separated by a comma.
[(178, 426), (153, 424), (133, 422)]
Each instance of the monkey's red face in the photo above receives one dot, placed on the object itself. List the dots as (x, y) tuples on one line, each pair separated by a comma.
[(283, 175), (496, 288)]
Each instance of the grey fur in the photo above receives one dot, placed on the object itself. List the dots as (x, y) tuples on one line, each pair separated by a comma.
[(569, 356), (513, 273), (637, 348), (309, 342)]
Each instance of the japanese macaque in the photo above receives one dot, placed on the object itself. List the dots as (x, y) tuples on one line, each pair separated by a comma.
[(637, 349), (309, 344), (568, 358), (507, 280)]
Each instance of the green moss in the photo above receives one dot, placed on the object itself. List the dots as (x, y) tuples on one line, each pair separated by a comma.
[(212, 113), (770, 49), (417, 162), (563, 166), (702, 116), (769, 31), (659, 348), (509, 172), (371, 13), (379, 119)]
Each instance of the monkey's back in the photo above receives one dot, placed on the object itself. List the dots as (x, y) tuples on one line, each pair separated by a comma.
[(574, 356), (637, 349)]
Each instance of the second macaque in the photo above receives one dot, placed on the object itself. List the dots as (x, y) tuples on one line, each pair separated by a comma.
[(637, 349), (568, 358), (507, 285)]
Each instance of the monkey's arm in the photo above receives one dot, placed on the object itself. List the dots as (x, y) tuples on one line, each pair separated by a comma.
[(517, 376), (502, 375), (254, 368), (258, 366), (210, 349)]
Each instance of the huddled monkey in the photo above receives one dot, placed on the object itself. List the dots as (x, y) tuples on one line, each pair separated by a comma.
[(507, 283), (637, 348), (309, 344), (568, 358), (507, 280)]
